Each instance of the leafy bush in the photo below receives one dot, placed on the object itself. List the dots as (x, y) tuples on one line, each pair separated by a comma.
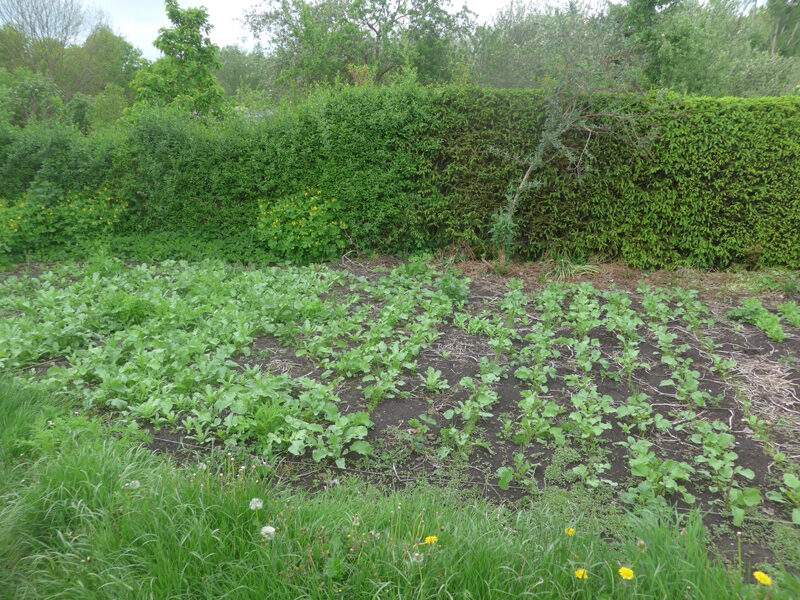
[(791, 312), (420, 168), (44, 218), (754, 313), (302, 228)]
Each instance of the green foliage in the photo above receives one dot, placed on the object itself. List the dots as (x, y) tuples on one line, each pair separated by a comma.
[(244, 72), (418, 168), (791, 312), (695, 198), (107, 106), (302, 228), (31, 97), (77, 111), (96, 507), (103, 59), (55, 155), (317, 41), (44, 218), (454, 287), (707, 49), (184, 75), (754, 313), (363, 147)]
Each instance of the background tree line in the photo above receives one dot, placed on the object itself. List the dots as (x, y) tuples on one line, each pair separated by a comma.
[(60, 60)]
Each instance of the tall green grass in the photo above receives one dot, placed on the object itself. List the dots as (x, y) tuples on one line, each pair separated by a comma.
[(87, 514)]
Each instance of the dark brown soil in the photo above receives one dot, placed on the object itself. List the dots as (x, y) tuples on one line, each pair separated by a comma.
[(764, 384)]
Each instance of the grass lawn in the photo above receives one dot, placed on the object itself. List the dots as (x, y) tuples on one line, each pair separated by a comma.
[(411, 429)]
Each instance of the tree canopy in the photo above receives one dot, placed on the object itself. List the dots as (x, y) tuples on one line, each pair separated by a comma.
[(185, 75)]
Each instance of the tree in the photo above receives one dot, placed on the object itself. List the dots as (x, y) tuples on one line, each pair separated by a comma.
[(245, 71), (14, 48), (107, 106), (707, 49), (30, 96), (783, 18), (50, 25), (587, 73), (185, 75), (103, 58), (318, 40), (528, 47)]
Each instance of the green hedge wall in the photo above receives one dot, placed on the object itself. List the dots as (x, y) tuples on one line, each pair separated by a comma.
[(721, 183), (417, 168)]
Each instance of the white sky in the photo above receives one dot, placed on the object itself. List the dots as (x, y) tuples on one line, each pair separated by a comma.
[(138, 21)]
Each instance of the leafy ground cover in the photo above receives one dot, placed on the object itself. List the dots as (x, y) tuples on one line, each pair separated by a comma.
[(640, 394), (88, 513)]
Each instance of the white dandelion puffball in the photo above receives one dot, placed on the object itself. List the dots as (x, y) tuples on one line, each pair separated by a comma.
[(256, 504), (268, 532)]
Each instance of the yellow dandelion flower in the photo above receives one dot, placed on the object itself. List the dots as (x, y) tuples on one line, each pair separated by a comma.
[(626, 573), (570, 531), (762, 578), (22, 205), (581, 574), (431, 539)]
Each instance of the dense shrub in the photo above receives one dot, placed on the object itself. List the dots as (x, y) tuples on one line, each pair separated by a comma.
[(40, 219), (365, 147), (301, 228), (416, 168), (56, 155)]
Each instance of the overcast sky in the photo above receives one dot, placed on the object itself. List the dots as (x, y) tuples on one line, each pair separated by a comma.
[(138, 21)]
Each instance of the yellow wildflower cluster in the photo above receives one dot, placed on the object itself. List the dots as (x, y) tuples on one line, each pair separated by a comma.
[(300, 227), (32, 223)]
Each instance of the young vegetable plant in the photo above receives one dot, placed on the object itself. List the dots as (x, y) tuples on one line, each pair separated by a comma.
[(433, 381), (520, 473), (718, 463), (537, 422), (586, 423), (789, 492), (754, 313), (417, 433), (638, 414), (661, 477), (791, 312)]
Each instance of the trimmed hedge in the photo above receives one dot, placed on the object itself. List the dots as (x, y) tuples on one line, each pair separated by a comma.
[(417, 168)]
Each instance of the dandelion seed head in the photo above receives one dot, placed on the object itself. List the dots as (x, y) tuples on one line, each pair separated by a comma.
[(256, 504), (268, 532)]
